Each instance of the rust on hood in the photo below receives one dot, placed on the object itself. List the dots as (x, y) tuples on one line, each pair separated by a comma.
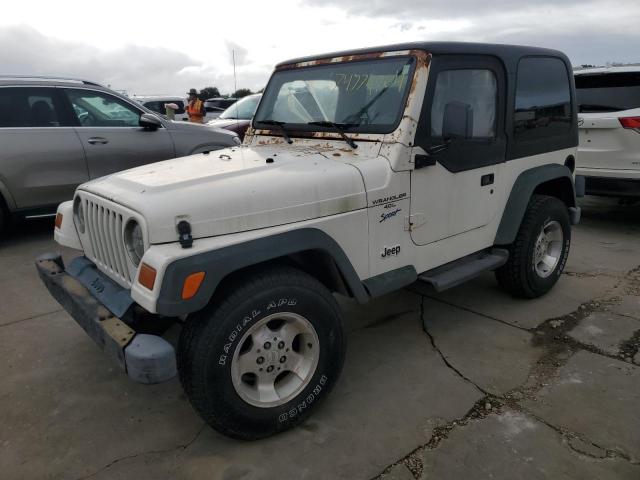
[(276, 138)]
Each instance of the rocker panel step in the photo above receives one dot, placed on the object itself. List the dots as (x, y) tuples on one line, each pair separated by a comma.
[(466, 268)]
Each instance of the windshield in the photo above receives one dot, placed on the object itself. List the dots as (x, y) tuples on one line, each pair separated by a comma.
[(363, 96), (242, 109), (608, 92)]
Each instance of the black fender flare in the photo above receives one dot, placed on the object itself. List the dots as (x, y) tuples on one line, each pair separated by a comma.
[(217, 264), (521, 192)]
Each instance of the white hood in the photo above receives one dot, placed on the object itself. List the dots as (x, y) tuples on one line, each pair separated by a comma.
[(235, 189)]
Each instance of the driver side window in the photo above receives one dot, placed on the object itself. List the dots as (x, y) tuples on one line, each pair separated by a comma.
[(473, 89), (98, 109)]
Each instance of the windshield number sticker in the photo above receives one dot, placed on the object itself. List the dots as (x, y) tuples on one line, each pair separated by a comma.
[(352, 81)]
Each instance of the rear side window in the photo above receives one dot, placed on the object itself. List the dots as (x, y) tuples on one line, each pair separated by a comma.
[(30, 107), (608, 92), (543, 99), (155, 106), (180, 105), (158, 106)]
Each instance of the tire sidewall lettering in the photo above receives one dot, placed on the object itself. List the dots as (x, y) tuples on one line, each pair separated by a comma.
[(211, 340), (249, 319), (563, 261), (305, 403), (310, 395)]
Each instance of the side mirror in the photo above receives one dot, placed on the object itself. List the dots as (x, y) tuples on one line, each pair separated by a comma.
[(457, 121), (149, 121)]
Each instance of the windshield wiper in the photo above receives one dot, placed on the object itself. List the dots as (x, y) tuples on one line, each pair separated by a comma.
[(340, 127), (278, 124)]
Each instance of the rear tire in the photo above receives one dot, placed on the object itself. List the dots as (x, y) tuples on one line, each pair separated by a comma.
[(263, 354), (538, 255)]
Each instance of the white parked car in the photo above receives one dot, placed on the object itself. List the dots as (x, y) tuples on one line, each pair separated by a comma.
[(362, 173), (608, 161), (156, 104)]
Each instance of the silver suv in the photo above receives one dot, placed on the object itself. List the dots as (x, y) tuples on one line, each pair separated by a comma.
[(58, 133)]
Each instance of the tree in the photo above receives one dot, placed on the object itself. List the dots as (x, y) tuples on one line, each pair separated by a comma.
[(209, 92), (242, 92)]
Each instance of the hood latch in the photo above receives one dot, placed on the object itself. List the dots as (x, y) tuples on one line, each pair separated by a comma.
[(184, 234)]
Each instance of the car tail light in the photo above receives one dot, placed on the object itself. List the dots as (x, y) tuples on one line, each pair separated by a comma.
[(58, 222), (630, 122)]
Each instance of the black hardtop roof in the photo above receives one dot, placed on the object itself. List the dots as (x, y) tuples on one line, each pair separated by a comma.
[(509, 54)]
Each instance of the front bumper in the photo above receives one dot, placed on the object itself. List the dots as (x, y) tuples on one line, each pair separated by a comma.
[(145, 358)]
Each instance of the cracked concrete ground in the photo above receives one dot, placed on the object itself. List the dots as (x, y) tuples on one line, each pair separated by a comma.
[(467, 384)]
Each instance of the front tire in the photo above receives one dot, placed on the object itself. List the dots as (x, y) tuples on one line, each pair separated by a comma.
[(538, 255), (266, 351)]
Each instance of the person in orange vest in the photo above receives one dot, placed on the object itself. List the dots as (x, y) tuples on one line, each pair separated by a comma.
[(195, 107)]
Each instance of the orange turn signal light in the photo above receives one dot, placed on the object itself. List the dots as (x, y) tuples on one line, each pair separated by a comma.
[(58, 220), (192, 284), (147, 276)]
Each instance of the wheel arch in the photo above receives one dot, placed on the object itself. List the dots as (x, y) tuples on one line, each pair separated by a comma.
[(554, 180), (309, 249), (561, 188)]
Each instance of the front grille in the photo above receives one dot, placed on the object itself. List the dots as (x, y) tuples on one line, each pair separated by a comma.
[(105, 231)]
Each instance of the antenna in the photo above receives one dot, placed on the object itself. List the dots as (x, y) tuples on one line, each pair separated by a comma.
[(235, 85)]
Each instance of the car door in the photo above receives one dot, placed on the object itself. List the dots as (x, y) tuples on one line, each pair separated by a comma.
[(455, 185), (41, 158), (110, 133)]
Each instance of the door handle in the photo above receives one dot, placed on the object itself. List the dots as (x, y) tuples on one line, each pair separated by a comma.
[(97, 140), (422, 161), (486, 179)]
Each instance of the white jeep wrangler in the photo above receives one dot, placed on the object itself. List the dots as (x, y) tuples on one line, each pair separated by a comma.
[(363, 172)]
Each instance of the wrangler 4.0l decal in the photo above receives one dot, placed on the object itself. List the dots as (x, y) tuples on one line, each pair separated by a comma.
[(392, 198), (387, 215)]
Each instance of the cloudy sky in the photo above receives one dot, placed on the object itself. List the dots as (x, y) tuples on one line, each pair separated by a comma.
[(147, 48)]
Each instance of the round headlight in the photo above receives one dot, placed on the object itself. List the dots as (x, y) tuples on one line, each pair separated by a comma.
[(134, 241), (78, 214)]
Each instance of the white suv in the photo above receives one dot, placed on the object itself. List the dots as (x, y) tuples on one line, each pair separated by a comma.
[(609, 120), (156, 103), (363, 172)]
